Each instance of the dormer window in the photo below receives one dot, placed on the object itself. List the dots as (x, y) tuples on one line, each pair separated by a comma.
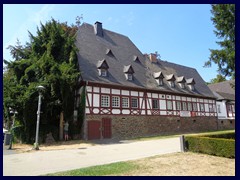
[(158, 76), (102, 72), (128, 71), (136, 59), (109, 53), (191, 83), (181, 81), (171, 78), (102, 68)]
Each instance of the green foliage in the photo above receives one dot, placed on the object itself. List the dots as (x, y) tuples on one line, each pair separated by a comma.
[(224, 22), (218, 79), (49, 59), (225, 136), (213, 146), (102, 170)]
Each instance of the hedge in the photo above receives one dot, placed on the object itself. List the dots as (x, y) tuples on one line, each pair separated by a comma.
[(230, 135), (212, 146)]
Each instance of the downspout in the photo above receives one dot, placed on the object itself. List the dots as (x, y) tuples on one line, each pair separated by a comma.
[(84, 119)]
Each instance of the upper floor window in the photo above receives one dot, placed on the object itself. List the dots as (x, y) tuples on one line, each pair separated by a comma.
[(115, 101), (129, 77), (184, 106), (201, 107), (128, 70), (155, 104), (178, 105), (134, 103), (189, 106), (169, 105), (125, 102), (103, 72), (102, 68), (219, 108), (105, 101), (195, 107)]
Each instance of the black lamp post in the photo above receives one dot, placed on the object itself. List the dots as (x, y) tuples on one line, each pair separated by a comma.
[(40, 89)]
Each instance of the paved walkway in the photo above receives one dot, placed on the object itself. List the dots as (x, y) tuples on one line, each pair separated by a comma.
[(43, 162)]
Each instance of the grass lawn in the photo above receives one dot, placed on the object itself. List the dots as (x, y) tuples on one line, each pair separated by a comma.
[(101, 170)]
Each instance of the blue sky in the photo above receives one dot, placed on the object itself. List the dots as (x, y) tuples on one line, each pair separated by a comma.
[(181, 33)]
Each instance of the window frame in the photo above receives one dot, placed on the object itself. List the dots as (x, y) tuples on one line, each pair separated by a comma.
[(123, 103), (108, 101), (171, 105), (134, 107), (114, 98), (156, 103)]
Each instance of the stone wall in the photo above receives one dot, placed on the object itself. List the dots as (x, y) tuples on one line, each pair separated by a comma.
[(126, 127)]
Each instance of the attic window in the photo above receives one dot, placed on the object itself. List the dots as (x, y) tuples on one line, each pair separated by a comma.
[(181, 81), (109, 53), (191, 83), (171, 78), (136, 59), (158, 76), (102, 72), (128, 70), (102, 68)]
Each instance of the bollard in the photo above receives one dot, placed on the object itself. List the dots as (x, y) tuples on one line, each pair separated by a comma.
[(182, 143)]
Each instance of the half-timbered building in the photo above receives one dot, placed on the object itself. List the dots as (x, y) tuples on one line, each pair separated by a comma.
[(129, 94)]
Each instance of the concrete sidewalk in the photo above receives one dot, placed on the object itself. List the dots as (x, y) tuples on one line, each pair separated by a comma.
[(43, 162)]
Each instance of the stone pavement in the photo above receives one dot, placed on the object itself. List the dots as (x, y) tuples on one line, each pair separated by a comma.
[(43, 162)]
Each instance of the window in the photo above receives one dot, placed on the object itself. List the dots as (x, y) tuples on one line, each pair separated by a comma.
[(191, 86), (219, 108), (195, 107), (115, 101), (125, 102), (169, 105), (155, 103), (178, 105), (102, 72), (210, 108), (134, 102), (171, 83), (160, 81), (233, 108), (184, 106), (104, 101), (189, 106), (182, 85), (201, 107), (129, 77)]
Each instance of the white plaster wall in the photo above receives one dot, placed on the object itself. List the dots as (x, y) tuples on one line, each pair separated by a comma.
[(134, 93), (105, 90), (126, 93), (116, 91)]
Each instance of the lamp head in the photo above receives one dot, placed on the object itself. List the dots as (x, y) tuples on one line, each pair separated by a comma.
[(40, 88)]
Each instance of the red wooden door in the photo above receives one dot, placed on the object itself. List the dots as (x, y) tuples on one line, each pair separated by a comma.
[(94, 130), (106, 128)]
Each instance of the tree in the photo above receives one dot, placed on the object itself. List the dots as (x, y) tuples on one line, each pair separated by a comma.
[(224, 22), (49, 59), (218, 79)]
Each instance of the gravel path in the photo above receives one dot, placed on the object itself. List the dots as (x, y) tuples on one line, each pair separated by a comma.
[(43, 162)]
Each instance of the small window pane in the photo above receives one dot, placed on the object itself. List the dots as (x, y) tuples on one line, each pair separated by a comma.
[(201, 107), (189, 106), (195, 107), (178, 104)]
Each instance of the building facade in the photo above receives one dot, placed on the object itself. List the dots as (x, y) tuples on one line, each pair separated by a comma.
[(225, 94), (128, 94)]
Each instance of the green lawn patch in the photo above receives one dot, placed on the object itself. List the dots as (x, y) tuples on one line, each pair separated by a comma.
[(101, 170)]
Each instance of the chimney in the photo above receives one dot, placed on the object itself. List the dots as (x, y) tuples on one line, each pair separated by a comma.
[(153, 57), (98, 29)]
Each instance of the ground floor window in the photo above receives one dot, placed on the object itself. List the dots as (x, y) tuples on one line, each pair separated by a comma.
[(125, 102), (169, 105), (155, 104), (104, 101), (134, 103), (115, 101)]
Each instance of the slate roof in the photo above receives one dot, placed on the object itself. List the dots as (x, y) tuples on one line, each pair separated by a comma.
[(93, 48), (223, 90)]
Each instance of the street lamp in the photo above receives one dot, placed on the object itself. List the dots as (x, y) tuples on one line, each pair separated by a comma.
[(14, 112), (40, 89)]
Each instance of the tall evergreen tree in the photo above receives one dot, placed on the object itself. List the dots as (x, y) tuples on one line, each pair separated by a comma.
[(49, 59), (224, 22)]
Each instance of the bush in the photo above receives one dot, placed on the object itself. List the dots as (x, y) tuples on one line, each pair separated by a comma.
[(225, 135), (212, 146)]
